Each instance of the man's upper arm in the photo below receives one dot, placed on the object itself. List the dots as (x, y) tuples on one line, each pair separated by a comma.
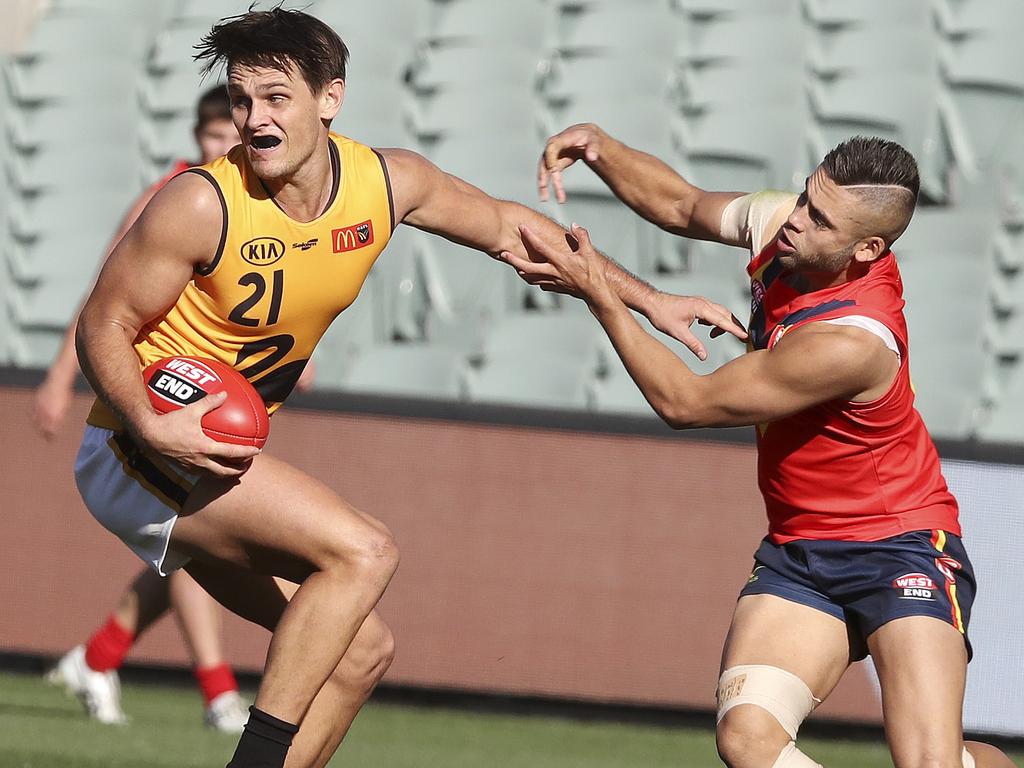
[(428, 198), (809, 366), (177, 232)]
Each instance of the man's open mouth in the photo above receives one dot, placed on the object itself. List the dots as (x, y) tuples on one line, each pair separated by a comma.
[(265, 142)]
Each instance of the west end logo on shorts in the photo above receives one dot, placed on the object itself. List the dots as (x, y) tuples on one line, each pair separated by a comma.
[(352, 237), (262, 251), (180, 382), (915, 586)]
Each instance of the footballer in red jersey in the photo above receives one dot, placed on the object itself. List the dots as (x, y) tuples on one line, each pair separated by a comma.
[(863, 552)]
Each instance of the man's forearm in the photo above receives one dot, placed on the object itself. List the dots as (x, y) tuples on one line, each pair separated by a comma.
[(643, 182), (635, 293), (662, 378), (111, 366)]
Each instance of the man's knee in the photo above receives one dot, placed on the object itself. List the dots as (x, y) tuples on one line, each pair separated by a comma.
[(749, 737), (760, 709), (372, 554)]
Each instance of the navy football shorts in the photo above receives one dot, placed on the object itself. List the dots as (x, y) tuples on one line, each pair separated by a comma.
[(869, 583)]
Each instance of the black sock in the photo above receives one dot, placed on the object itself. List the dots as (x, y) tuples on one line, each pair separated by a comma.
[(264, 742)]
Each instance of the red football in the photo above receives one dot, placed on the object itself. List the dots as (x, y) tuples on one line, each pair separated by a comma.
[(174, 382)]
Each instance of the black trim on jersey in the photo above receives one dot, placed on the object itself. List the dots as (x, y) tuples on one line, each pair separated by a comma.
[(332, 151), (224, 220), (335, 175), (387, 183)]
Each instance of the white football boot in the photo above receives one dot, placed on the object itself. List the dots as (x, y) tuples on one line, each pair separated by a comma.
[(228, 713), (99, 692)]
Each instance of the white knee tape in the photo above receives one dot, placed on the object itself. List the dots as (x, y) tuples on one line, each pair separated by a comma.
[(782, 694), (968, 759), (791, 757)]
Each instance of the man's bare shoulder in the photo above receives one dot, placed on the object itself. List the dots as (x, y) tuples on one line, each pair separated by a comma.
[(186, 219)]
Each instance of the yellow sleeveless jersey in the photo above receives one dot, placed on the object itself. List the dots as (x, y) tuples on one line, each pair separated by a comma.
[(274, 284)]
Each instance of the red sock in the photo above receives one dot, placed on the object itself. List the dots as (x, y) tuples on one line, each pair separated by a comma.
[(213, 681), (107, 648)]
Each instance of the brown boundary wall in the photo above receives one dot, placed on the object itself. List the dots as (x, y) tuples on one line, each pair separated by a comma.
[(578, 565)]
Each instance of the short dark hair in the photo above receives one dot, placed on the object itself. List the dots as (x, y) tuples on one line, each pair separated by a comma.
[(871, 160), (277, 39), (214, 104)]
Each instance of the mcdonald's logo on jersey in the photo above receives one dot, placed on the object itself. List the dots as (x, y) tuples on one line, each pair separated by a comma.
[(352, 237)]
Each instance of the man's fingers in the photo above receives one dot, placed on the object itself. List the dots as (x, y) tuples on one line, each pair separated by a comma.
[(230, 452), (693, 344), (524, 267), (535, 243), (209, 403), (722, 318), (556, 178), (582, 237), (542, 179)]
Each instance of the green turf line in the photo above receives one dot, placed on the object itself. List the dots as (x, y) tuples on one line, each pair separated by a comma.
[(41, 727)]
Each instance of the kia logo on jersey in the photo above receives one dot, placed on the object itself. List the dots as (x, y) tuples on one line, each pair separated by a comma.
[(261, 251), (352, 237)]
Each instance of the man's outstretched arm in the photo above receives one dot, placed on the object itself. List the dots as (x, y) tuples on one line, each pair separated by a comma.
[(430, 199), (811, 365), (642, 181)]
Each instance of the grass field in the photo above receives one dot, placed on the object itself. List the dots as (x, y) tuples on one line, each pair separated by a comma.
[(40, 727)]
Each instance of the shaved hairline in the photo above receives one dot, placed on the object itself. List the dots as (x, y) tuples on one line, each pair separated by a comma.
[(891, 208)]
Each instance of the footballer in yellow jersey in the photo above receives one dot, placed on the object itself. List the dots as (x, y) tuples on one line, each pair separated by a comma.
[(248, 260), (275, 284)]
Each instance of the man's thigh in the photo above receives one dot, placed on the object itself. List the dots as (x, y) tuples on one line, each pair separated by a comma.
[(922, 669), (776, 632), (274, 519)]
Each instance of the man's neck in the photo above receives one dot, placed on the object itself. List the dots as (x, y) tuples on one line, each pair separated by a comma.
[(303, 196), (819, 281)]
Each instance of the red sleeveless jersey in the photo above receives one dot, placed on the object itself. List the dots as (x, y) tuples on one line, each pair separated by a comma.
[(845, 470)]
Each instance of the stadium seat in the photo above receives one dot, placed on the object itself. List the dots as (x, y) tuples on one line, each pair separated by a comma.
[(420, 370), (478, 65), (1004, 422), (466, 292), (912, 14), (174, 93), (466, 113), (654, 29), (539, 380), (173, 48), (211, 10), (725, 149), (948, 253), (71, 80), (67, 36), (570, 336), (357, 329), (96, 167), (40, 126), (616, 392), (522, 24), (718, 31)]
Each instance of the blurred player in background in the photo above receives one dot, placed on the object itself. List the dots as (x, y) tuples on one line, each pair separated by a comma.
[(90, 670), (863, 553), (248, 260)]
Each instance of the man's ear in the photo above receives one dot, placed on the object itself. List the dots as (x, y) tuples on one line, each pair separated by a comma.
[(331, 99), (870, 249)]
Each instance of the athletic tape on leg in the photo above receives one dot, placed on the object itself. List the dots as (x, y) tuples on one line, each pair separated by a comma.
[(791, 757), (782, 694), (968, 759)]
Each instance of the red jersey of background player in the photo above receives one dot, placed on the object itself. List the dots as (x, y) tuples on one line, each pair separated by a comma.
[(846, 470)]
